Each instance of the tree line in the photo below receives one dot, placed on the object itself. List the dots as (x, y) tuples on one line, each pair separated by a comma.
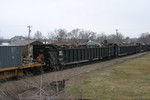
[(81, 36)]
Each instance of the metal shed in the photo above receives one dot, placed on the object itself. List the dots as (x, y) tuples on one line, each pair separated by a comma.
[(10, 56)]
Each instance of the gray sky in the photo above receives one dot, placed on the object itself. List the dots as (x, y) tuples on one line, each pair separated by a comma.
[(131, 17)]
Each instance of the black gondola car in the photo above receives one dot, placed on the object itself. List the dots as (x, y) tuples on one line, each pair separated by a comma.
[(58, 56), (126, 50), (63, 56)]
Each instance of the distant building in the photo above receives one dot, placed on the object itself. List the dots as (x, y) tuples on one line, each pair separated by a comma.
[(24, 44), (17, 38)]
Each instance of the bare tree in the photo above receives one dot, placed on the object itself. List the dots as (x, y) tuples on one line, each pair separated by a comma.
[(85, 36), (144, 38), (116, 38), (101, 37), (89, 35), (61, 34), (119, 38), (111, 38), (38, 36), (74, 35), (52, 37)]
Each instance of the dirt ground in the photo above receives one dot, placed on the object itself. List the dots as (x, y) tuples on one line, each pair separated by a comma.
[(25, 87)]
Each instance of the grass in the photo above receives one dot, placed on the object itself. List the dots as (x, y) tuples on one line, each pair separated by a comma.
[(129, 80)]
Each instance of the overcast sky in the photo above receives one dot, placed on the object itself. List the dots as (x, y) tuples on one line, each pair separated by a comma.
[(131, 17)]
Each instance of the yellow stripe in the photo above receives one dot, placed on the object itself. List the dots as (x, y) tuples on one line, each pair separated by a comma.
[(21, 67)]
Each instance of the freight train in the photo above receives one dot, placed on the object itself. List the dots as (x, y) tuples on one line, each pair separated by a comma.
[(50, 57), (55, 56)]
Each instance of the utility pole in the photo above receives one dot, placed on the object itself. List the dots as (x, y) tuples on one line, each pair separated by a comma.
[(117, 35), (29, 39)]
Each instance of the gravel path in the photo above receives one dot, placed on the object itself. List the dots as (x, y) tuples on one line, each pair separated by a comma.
[(12, 88)]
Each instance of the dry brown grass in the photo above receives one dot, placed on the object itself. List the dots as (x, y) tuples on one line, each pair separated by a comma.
[(129, 80)]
